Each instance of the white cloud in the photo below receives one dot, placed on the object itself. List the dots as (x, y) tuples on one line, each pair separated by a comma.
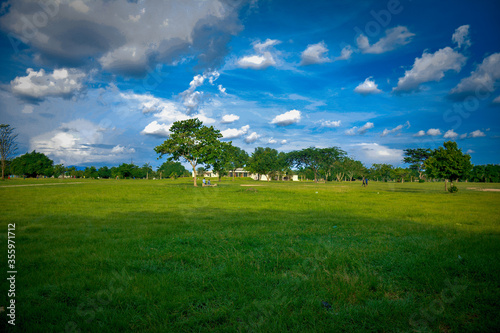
[(28, 109), (229, 118), (477, 134), (252, 137), (156, 129), (345, 53), (461, 36), (75, 142), (368, 87), (38, 85), (470, 151), (330, 123), (463, 136), (287, 118), (375, 153), (362, 130), (433, 131), (264, 57), (450, 134), (118, 149), (222, 89), (483, 78), (283, 142), (315, 54), (430, 67), (192, 98), (419, 133), (232, 133), (272, 141), (395, 129), (394, 38), (496, 100)]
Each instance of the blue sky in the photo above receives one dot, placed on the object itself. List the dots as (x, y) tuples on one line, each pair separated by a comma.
[(100, 82)]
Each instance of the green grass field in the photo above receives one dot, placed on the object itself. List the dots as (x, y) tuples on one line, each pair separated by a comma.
[(163, 256)]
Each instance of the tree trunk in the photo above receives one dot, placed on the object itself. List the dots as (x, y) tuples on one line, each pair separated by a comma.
[(233, 174), (446, 185), (194, 173)]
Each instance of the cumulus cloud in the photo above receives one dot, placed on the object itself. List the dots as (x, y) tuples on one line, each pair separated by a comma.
[(450, 134), (76, 142), (252, 137), (430, 67), (496, 100), (476, 134), (315, 54), (395, 129), (482, 80), (330, 123), (272, 141), (368, 87), (433, 131), (39, 85), (157, 129), (126, 37), (394, 38), (470, 151), (283, 142), (461, 36), (232, 133), (419, 133), (345, 53), (263, 58), (229, 118), (375, 153), (361, 130), (118, 149), (192, 98), (287, 118)]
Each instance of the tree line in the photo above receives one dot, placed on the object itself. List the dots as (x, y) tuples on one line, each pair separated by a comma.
[(201, 147)]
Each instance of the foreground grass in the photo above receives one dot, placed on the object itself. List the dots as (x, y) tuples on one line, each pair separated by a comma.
[(160, 256)]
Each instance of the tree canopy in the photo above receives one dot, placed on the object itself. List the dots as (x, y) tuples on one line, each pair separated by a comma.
[(192, 141), (32, 164)]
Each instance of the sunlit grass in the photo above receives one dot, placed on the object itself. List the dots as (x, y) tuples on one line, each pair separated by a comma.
[(105, 255)]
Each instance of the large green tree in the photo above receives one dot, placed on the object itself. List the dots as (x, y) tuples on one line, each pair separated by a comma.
[(8, 145), (448, 162), (193, 142), (32, 164), (264, 161), (416, 159)]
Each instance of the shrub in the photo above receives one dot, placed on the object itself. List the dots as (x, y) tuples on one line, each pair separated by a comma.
[(453, 189), (421, 181)]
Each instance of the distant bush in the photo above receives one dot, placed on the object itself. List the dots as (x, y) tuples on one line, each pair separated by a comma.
[(421, 181), (453, 189)]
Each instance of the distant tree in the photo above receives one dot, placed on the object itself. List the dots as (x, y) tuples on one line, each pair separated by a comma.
[(382, 171), (416, 159), (32, 164), (90, 172), (8, 146), (284, 165), (264, 161), (147, 169), (400, 173), (193, 142), (238, 158), (221, 163), (172, 169), (125, 170), (200, 170), (59, 170), (448, 162), (104, 172), (315, 159)]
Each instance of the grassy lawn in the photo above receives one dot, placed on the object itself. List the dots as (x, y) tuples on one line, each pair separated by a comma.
[(163, 256)]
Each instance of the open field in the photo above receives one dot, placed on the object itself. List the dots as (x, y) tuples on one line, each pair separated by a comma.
[(163, 256)]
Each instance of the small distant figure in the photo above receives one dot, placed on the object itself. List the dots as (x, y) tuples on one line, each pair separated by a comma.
[(363, 182), (366, 182), (209, 182), (204, 182)]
